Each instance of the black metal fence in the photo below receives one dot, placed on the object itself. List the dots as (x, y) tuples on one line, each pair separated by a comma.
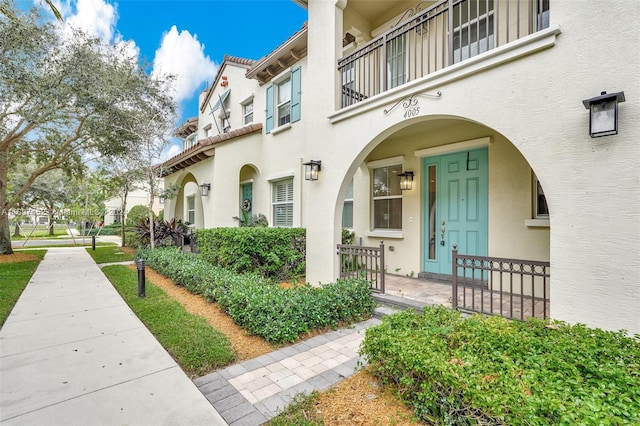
[(363, 262), (512, 288)]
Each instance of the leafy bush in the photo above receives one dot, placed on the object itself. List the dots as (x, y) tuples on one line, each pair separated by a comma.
[(488, 370), (257, 220), (277, 253), (268, 310), (166, 233), (137, 214)]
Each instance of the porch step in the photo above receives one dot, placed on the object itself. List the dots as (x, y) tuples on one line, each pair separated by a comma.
[(388, 304)]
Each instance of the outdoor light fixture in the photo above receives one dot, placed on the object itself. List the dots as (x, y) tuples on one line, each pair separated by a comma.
[(406, 179), (204, 189), (311, 169), (603, 113)]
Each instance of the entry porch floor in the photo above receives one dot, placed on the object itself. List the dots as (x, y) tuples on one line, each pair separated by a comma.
[(417, 293)]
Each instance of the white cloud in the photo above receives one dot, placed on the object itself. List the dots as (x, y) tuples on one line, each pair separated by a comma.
[(169, 152), (182, 55), (96, 17)]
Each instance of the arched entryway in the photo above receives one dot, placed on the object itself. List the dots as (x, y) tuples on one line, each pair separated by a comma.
[(471, 188), (187, 205)]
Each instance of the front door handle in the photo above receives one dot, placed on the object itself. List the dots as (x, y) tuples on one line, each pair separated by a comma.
[(442, 231)]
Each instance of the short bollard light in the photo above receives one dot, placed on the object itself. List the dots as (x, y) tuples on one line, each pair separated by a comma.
[(93, 242), (141, 283)]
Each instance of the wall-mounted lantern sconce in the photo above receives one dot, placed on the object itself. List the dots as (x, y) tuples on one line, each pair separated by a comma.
[(406, 180), (311, 169), (204, 189), (603, 113)]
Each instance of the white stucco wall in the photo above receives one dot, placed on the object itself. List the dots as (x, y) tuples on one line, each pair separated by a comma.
[(535, 101)]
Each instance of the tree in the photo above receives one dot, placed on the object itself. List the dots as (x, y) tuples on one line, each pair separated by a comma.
[(66, 98), (51, 192), (123, 178)]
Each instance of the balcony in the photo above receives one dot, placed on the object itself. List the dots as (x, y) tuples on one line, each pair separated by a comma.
[(428, 38)]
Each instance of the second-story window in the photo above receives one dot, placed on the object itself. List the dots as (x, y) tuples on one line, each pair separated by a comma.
[(283, 100), (473, 29), (247, 112)]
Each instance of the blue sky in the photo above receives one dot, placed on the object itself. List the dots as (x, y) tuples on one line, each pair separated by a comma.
[(188, 38)]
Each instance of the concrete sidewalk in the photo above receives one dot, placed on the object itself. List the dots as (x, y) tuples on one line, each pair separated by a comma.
[(72, 352)]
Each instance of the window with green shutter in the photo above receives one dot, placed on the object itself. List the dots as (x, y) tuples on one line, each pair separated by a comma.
[(283, 100)]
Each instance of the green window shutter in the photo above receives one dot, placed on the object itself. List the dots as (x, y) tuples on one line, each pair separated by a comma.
[(269, 114), (295, 94)]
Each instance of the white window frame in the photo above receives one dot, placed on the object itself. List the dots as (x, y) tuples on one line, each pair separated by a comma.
[(247, 117), (373, 166), (287, 201), (191, 211), (207, 130), (286, 103)]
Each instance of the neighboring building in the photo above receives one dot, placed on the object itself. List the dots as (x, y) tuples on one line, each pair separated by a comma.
[(137, 197), (480, 100)]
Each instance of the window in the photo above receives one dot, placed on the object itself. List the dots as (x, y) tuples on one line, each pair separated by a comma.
[(282, 202), (473, 28), (226, 125), (387, 197), (396, 61), (189, 141), (247, 112), (283, 100), (347, 209), (191, 209), (207, 131), (542, 14), (540, 208)]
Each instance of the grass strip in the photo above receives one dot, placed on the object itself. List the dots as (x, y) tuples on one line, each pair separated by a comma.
[(14, 277), (109, 254), (194, 344)]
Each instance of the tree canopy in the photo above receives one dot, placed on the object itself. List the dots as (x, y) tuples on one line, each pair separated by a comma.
[(67, 98)]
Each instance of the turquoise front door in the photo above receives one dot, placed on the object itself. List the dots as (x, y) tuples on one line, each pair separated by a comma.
[(246, 203), (456, 207)]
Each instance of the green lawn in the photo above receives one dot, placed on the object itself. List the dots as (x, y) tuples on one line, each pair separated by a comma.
[(195, 345), (14, 277), (109, 254)]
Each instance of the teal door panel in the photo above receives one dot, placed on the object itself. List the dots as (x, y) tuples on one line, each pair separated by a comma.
[(459, 214), (247, 198)]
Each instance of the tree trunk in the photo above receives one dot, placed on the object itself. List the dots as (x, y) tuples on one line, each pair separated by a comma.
[(5, 233), (50, 214), (123, 217)]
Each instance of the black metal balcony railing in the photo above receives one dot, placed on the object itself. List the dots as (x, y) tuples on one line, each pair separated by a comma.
[(426, 40)]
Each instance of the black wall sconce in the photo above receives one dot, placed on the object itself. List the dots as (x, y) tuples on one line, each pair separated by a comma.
[(311, 169), (603, 113), (406, 180), (204, 189)]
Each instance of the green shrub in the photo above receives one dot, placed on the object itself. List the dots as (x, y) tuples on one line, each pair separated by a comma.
[(268, 310), (277, 253), (137, 214), (488, 370)]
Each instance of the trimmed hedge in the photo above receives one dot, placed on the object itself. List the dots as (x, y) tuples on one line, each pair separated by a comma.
[(277, 253), (488, 370), (277, 314)]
